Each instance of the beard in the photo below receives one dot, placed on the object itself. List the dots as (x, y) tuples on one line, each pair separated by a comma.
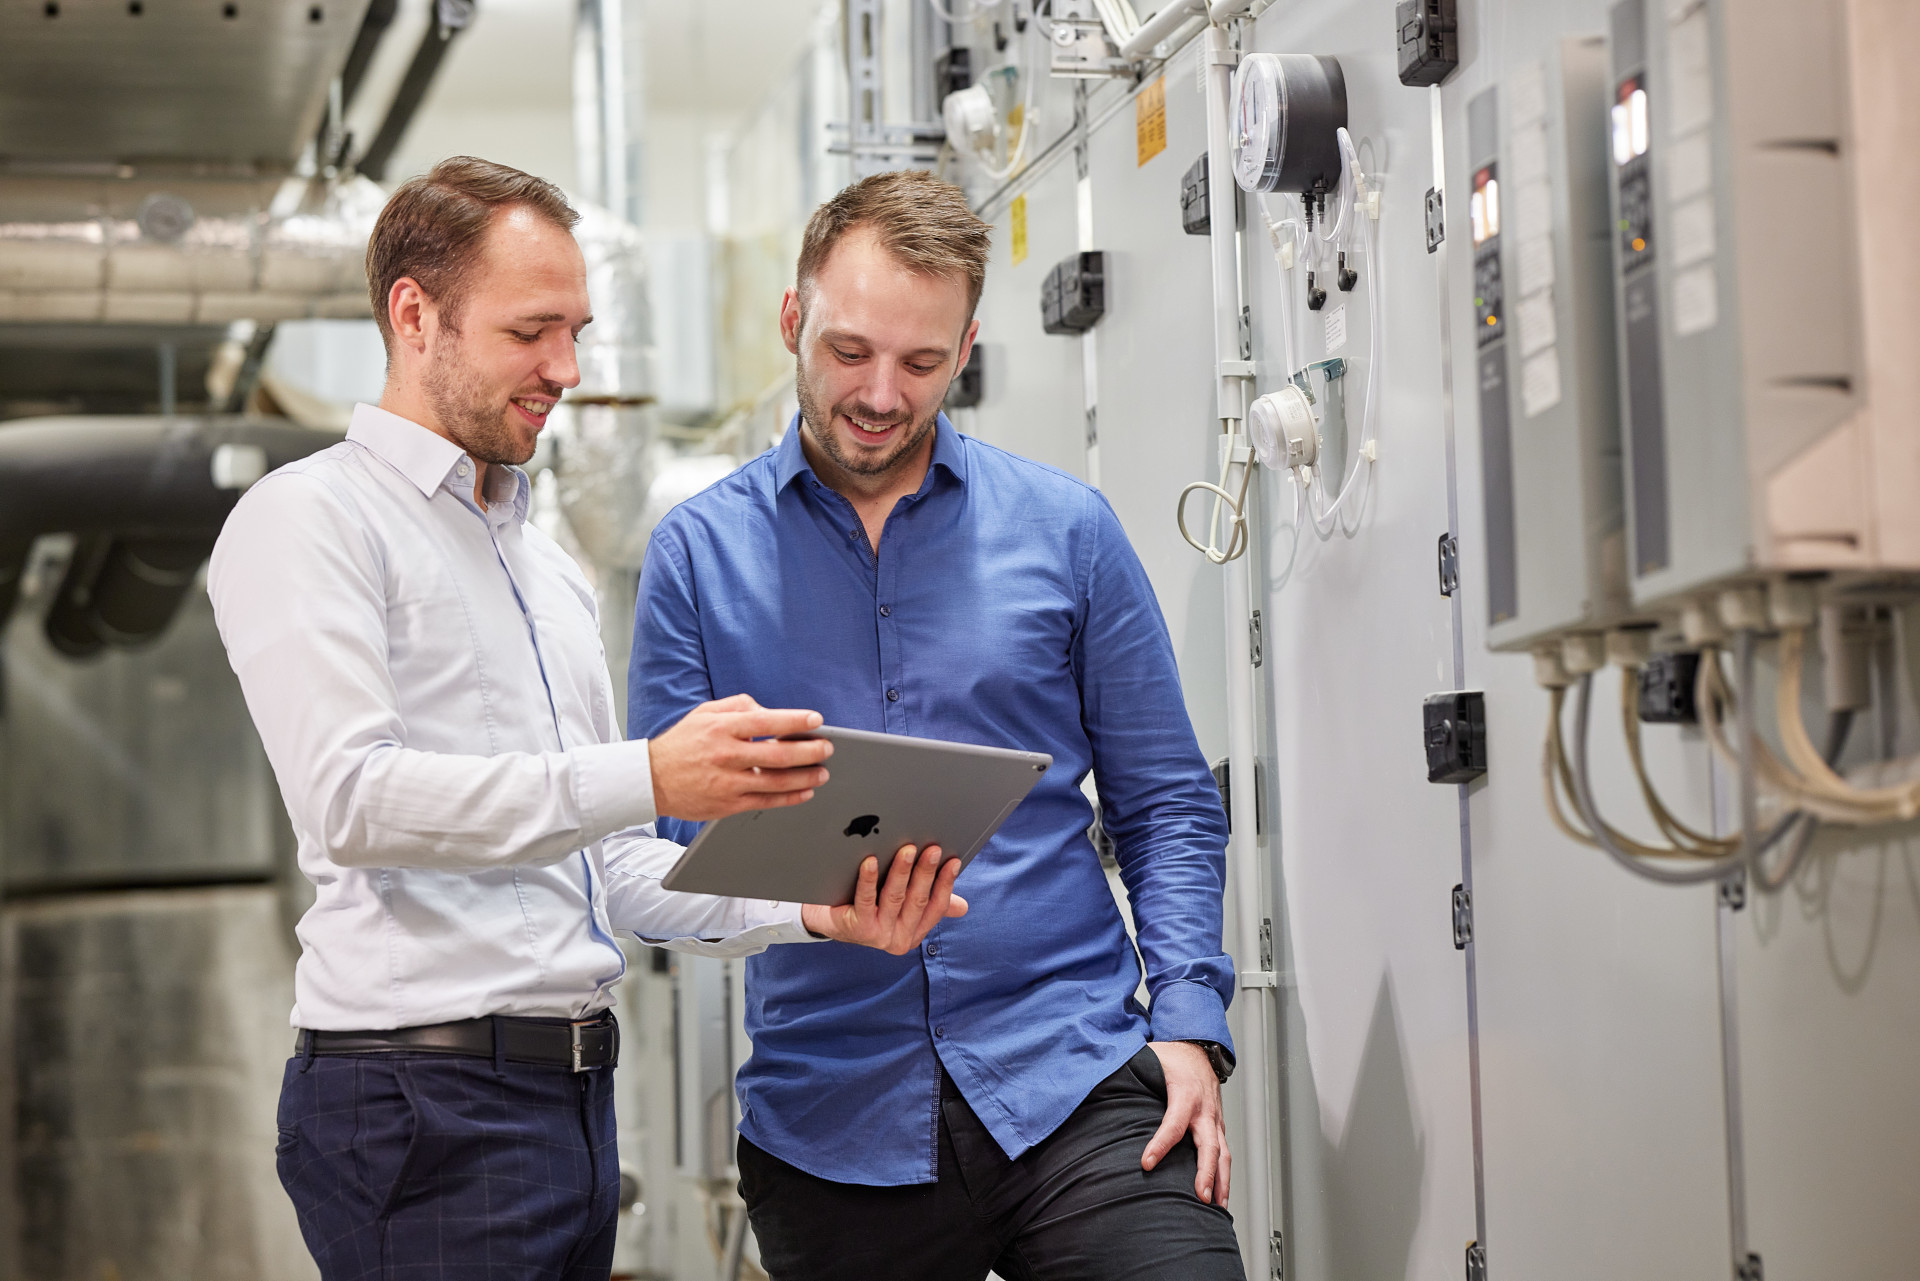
[(818, 418), (472, 415)]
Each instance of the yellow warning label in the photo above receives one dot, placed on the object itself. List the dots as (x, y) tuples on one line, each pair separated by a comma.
[(1150, 119), (1017, 216)]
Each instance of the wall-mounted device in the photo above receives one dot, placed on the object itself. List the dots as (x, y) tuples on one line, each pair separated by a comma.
[(1544, 339), (1286, 109), (1074, 294), (970, 384), (1427, 35), (1762, 300)]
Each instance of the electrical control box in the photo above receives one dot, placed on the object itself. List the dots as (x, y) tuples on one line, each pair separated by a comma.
[(1544, 340), (1195, 213), (1455, 730), (1767, 314), (970, 384), (1074, 294), (1427, 34)]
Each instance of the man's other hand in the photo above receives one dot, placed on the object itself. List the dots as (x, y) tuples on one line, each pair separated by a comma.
[(1193, 1104), (918, 896), (709, 765)]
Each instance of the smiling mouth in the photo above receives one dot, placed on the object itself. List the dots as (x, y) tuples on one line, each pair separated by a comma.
[(536, 410), (862, 427)]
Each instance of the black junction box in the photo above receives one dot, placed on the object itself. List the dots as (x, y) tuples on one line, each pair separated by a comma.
[(1196, 216), (1456, 736), (970, 384), (953, 70), (1667, 685), (1428, 34), (1074, 294)]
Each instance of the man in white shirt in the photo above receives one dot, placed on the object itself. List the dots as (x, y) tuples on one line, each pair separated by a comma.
[(426, 673)]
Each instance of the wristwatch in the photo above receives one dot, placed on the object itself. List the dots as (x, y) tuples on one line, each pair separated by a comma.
[(1218, 1056)]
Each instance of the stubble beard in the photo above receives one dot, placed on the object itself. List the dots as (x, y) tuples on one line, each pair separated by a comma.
[(818, 418), (468, 414)]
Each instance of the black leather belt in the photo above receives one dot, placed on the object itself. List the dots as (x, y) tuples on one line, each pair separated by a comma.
[(581, 1046)]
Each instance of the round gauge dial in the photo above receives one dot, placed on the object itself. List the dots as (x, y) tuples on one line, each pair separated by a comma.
[(1259, 122), (1286, 111)]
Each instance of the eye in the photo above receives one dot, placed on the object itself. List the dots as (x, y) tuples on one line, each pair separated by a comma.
[(848, 356), (922, 370), (525, 338)]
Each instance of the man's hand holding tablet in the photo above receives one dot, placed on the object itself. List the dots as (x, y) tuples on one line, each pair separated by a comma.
[(728, 756)]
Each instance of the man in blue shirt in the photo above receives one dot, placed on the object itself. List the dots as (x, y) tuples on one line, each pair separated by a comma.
[(998, 1099)]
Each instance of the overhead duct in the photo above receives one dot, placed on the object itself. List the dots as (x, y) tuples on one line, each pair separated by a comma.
[(606, 431), (147, 497), (190, 253)]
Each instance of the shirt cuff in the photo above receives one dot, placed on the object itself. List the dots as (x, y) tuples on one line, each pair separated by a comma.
[(613, 785), (1185, 1011)]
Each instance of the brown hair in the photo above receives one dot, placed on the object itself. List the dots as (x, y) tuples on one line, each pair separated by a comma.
[(923, 222), (433, 226)]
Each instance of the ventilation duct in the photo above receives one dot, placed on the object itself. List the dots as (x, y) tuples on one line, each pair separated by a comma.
[(193, 253), (146, 498)]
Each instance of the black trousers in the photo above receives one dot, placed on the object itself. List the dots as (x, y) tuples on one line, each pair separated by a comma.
[(1077, 1207)]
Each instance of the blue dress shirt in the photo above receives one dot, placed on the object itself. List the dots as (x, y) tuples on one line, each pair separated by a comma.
[(1005, 607)]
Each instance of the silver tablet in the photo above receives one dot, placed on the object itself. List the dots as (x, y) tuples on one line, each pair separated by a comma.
[(883, 791)]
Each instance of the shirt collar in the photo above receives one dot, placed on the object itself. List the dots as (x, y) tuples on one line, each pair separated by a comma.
[(948, 453), (428, 459)]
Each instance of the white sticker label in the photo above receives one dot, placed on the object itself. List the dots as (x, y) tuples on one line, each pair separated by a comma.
[(1692, 64), (1533, 209), (1693, 231), (1535, 318), (1696, 301), (1528, 155), (1540, 383), (1689, 168), (1536, 264), (1527, 95), (1336, 323)]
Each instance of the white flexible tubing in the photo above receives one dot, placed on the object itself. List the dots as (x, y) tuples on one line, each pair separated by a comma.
[(1243, 843), (1358, 481), (1030, 80), (1288, 350)]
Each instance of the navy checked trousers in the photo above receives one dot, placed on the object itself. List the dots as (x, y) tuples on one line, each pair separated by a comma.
[(431, 1167)]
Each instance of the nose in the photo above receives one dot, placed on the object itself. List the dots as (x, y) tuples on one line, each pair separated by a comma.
[(881, 395), (562, 363)]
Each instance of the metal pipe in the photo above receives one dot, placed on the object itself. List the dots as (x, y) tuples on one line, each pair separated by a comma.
[(1243, 844), (1160, 26), (450, 18), (1222, 196)]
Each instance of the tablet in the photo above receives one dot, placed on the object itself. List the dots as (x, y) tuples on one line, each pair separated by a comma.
[(883, 791)]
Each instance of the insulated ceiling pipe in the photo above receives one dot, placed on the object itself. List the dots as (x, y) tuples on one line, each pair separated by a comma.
[(146, 495)]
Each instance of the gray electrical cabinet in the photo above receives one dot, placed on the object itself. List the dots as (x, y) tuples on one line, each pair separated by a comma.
[(1737, 261), (1544, 334)]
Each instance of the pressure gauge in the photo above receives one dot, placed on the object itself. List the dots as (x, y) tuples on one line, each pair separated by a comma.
[(973, 127), (1286, 109), (1281, 428)]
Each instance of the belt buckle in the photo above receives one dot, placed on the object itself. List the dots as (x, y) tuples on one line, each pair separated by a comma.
[(575, 1028)]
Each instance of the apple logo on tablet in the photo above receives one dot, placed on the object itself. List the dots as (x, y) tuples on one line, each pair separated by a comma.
[(865, 825)]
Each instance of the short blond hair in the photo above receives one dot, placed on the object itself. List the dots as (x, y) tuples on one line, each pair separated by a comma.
[(923, 222)]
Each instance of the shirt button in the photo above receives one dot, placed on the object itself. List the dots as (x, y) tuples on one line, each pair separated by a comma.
[(940, 1033), (886, 611), (893, 696), (461, 469), (933, 949)]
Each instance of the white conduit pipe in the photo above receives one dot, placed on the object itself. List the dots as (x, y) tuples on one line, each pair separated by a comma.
[(1243, 846), (1161, 25)]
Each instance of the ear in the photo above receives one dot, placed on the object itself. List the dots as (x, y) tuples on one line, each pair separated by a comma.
[(790, 320), (408, 309), (966, 346)]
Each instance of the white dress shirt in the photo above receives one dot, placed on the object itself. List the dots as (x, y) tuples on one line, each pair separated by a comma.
[(429, 682)]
